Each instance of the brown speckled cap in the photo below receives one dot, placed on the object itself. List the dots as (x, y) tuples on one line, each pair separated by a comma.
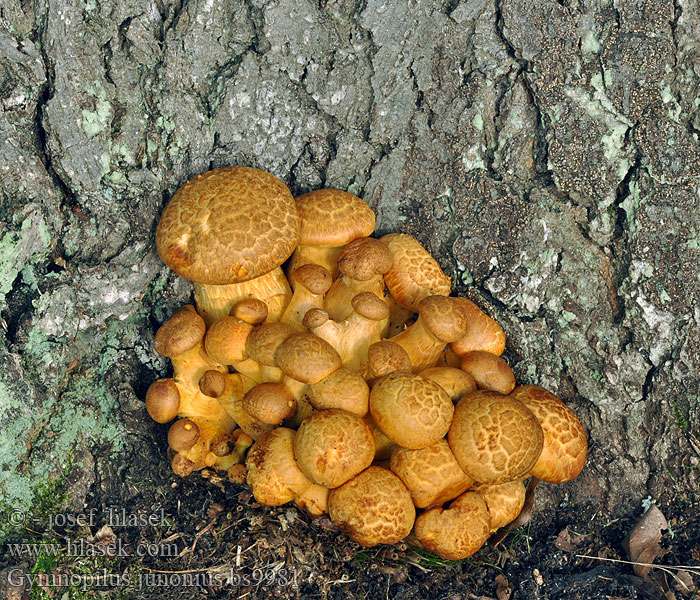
[(333, 218), (307, 358), (228, 225)]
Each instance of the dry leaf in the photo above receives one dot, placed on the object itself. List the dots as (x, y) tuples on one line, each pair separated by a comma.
[(642, 543), (503, 588), (567, 541)]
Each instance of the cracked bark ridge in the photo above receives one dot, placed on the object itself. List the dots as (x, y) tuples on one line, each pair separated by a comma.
[(546, 153)]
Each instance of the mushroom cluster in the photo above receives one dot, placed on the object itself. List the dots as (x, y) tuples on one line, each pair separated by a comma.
[(352, 385)]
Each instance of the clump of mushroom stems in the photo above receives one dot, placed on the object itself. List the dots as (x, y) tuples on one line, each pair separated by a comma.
[(261, 361)]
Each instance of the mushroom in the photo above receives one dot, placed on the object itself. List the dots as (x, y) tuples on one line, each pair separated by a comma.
[(261, 346), (489, 371), (565, 444), (250, 310), (504, 501), (311, 283), (225, 341), (163, 400), (212, 383), (455, 382), (385, 357), (455, 532), (373, 508), (494, 438), (431, 474), (414, 276), (361, 264), (329, 219), (332, 446), (228, 230), (342, 389), (483, 332), (413, 412), (270, 403), (441, 320)]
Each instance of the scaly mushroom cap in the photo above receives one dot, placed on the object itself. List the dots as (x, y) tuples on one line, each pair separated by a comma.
[(370, 306), (410, 410), (273, 474), (455, 382), (386, 357), (494, 438), (270, 403), (314, 278), (432, 474), (565, 444), (225, 341), (364, 258), (333, 218), (250, 310), (212, 383), (489, 371), (483, 332), (307, 358), (332, 446), (415, 274), (456, 532), (342, 389), (180, 333), (504, 501), (228, 225), (263, 342), (373, 508), (444, 317), (163, 400)]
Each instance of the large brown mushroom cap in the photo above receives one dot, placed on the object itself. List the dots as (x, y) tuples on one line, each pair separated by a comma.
[(269, 402), (410, 410), (307, 358), (333, 218), (332, 446), (373, 508), (504, 501), (225, 341), (364, 258), (565, 444), (432, 474), (228, 225), (444, 317), (456, 532), (386, 357), (180, 333), (262, 343), (494, 438), (489, 371), (415, 274), (483, 332)]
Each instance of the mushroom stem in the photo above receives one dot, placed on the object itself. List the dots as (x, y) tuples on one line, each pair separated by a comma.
[(215, 301), (423, 348), (323, 256)]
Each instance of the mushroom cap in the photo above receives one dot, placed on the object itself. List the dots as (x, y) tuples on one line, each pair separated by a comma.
[(181, 465), (565, 444), (314, 317), (314, 278), (269, 402), (212, 383), (263, 341), (333, 218), (307, 358), (364, 258), (494, 438), (456, 532), (410, 410), (373, 508), (370, 306), (180, 333), (431, 474), (483, 332), (455, 382), (225, 341), (163, 400), (332, 446), (386, 357), (489, 371), (444, 317), (250, 310), (414, 274), (228, 225), (342, 389), (504, 501), (182, 435), (273, 474)]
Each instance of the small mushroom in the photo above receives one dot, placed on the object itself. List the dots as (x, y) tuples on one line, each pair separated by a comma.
[(250, 310), (261, 346), (412, 411), (565, 444), (182, 435), (483, 332), (455, 382), (494, 438), (270, 403), (212, 383), (385, 357), (342, 389), (225, 341), (504, 501), (163, 400), (455, 532), (332, 446), (229, 230), (311, 282), (373, 508), (489, 371)]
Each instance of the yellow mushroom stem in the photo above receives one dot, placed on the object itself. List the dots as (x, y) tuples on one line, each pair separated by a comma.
[(215, 301)]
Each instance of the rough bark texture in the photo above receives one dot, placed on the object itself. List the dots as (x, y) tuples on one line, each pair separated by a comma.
[(547, 153)]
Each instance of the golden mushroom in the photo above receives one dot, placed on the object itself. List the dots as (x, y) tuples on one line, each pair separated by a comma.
[(504, 501)]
